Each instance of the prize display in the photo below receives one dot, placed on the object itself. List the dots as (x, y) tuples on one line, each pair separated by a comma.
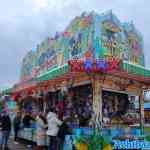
[(119, 109)]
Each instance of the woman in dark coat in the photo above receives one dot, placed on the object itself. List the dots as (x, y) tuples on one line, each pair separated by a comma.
[(17, 123), (63, 131), (5, 126)]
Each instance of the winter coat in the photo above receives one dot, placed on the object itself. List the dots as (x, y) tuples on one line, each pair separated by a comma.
[(41, 126), (63, 131), (40, 132), (27, 121), (53, 124), (5, 123), (17, 123)]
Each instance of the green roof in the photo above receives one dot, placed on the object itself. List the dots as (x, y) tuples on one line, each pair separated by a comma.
[(130, 68), (136, 69), (53, 73)]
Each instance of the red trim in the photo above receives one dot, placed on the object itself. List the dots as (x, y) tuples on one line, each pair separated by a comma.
[(74, 75), (26, 86), (127, 75)]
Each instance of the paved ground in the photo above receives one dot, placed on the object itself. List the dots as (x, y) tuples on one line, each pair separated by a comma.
[(20, 146)]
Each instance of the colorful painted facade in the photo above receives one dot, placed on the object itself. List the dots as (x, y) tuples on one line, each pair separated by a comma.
[(101, 35)]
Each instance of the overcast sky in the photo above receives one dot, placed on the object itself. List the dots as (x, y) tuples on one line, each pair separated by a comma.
[(24, 23)]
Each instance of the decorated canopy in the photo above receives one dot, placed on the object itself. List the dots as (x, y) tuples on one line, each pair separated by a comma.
[(102, 35)]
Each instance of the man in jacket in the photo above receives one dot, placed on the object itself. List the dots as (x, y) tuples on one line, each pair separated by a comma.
[(53, 128)]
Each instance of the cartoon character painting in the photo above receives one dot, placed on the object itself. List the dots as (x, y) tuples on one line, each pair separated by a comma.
[(103, 35)]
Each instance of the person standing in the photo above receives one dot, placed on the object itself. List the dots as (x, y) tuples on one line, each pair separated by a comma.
[(27, 120), (63, 131), (53, 128), (16, 124), (5, 129), (41, 125)]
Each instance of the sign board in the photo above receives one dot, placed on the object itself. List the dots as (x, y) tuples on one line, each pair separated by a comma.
[(98, 65)]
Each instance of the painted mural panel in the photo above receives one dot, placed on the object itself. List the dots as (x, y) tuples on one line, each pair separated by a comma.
[(102, 35), (113, 38), (135, 44)]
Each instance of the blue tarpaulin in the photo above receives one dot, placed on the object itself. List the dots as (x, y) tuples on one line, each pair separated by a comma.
[(147, 105)]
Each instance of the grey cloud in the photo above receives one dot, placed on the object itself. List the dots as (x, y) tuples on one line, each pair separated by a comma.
[(23, 24)]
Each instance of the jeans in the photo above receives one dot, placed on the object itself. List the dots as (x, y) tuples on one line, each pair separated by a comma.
[(52, 143), (60, 144), (0, 138), (16, 134), (4, 138)]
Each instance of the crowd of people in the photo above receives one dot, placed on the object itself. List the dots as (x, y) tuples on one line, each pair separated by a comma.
[(56, 115), (54, 118), (50, 126)]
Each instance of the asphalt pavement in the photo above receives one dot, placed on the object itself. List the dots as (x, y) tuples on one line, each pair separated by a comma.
[(19, 146)]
